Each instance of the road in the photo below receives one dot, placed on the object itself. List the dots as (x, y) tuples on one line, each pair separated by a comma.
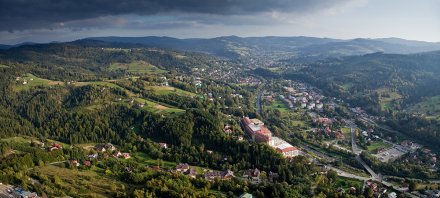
[(259, 100), (316, 152)]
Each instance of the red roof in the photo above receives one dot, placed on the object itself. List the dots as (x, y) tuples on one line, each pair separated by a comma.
[(292, 148)]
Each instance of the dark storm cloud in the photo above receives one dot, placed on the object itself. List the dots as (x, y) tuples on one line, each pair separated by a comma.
[(34, 14)]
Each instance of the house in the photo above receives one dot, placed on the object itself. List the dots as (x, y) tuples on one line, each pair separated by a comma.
[(191, 172), (182, 167), (126, 155), (240, 138), (163, 145), (273, 176), (246, 195), (74, 163), (219, 174), (110, 147), (392, 195), (93, 156), (87, 163), (117, 154), (55, 146), (227, 129), (253, 175), (101, 149)]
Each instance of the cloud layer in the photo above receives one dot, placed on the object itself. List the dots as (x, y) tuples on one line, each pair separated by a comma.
[(51, 14)]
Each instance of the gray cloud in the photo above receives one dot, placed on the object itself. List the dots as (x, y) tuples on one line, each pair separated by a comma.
[(50, 14)]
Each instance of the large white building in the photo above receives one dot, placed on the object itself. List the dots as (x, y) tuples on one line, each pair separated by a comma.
[(285, 148)]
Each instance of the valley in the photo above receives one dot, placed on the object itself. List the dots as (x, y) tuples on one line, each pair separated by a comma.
[(126, 120)]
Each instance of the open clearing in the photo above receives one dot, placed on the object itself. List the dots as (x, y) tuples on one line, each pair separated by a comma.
[(277, 104), (84, 183), (158, 108), (387, 97), (29, 80), (138, 67), (164, 90), (378, 144)]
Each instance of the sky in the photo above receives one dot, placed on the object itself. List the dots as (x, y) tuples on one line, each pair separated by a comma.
[(66, 20)]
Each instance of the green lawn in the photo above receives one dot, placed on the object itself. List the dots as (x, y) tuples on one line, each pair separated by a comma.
[(33, 81), (298, 123), (347, 86), (387, 98), (346, 183), (158, 108), (18, 139), (81, 183), (164, 90), (280, 105), (138, 67), (146, 160), (378, 144)]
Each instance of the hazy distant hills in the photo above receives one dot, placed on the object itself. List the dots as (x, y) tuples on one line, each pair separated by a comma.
[(315, 48)]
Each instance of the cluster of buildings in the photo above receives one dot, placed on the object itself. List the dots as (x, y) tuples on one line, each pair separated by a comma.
[(222, 175), (258, 132), (303, 97), (110, 148), (185, 169)]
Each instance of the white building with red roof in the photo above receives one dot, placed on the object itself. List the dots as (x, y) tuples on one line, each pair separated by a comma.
[(285, 148)]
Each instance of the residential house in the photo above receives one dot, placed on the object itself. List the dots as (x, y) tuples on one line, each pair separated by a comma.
[(246, 195), (55, 146), (273, 176), (191, 172), (253, 175), (163, 145), (87, 163), (126, 155), (74, 163), (182, 167), (219, 175), (93, 156)]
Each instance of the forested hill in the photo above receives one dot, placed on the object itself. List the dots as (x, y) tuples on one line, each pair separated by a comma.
[(90, 60), (289, 47), (377, 81)]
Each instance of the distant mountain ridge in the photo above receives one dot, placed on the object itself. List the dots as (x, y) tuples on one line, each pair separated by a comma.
[(233, 46)]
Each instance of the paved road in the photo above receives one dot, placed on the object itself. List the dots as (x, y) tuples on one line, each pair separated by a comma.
[(316, 152), (259, 100)]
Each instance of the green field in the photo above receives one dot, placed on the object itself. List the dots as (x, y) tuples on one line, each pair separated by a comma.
[(346, 183), (138, 67), (378, 144), (146, 160), (347, 86), (280, 105), (387, 98), (298, 123), (158, 108), (33, 81), (3, 66), (83, 183), (164, 90)]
